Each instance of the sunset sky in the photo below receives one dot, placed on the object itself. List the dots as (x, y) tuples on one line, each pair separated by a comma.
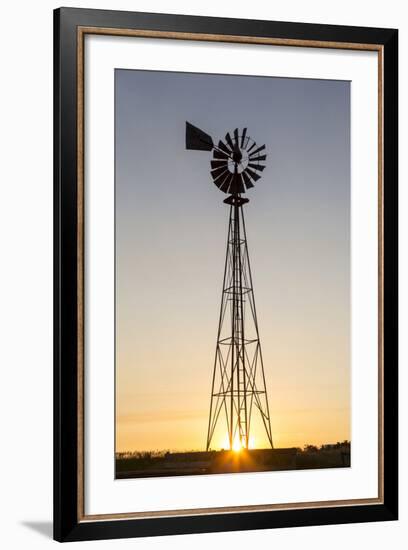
[(171, 227)]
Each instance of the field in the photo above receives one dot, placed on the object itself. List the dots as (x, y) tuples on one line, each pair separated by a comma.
[(154, 464)]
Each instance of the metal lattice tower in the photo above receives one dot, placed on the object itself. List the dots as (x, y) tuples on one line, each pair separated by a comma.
[(238, 384), (238, 389)]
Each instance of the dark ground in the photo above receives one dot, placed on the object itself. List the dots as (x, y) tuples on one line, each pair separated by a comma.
[(217, 462)]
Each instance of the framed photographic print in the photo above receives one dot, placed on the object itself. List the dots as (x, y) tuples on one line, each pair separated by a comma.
[(225, 274)]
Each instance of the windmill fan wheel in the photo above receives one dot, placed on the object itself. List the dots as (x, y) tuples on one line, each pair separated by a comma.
[(237, 162)]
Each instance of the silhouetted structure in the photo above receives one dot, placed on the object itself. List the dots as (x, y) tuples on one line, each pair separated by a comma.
[(238, 384)]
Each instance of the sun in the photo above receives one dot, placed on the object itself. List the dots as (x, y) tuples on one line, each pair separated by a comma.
[(238, 445)]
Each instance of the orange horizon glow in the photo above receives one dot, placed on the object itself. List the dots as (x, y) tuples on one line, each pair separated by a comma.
[(187, 435)]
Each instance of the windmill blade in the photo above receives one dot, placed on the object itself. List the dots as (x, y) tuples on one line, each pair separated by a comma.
[(221, 155), (223, 181), (226, 183), (236, 184), (196, 139), (252, 146), (263, 157), (231, 187), (236, 137), (219, 171), (229, 141), (261, 148), (247, 180), (223, 147), (243, 137), (253, 174), (218, 163), (260, 167), (218, 179), (240, 183)]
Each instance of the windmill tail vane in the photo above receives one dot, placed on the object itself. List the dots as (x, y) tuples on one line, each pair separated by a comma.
[(238, 390)]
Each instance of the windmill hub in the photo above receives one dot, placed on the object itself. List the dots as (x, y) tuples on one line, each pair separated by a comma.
[(237, 156), (239, 162)]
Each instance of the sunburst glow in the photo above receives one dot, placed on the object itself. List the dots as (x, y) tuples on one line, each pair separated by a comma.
[(238, 444)]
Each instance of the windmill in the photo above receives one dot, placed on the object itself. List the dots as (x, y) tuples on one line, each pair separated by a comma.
[(238, 390)]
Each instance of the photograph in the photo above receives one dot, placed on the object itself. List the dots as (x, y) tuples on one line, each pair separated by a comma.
[(232, 273)]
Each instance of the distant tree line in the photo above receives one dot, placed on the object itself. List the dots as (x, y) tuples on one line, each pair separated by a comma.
[(340, 445)]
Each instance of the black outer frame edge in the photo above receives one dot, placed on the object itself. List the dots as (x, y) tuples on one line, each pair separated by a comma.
[(66, 526), (227, 26), (390, 320), (56, 261), (228, 522), (65, 278)]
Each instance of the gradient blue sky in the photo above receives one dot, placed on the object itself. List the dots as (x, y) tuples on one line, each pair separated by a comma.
[(171, 228)]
